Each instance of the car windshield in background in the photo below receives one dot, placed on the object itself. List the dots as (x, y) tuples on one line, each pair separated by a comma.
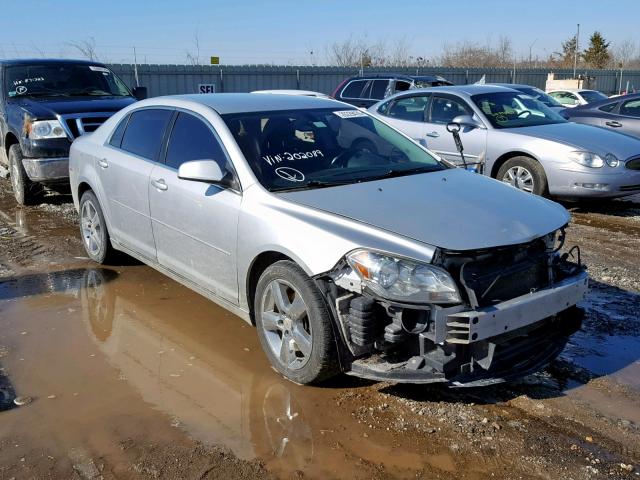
[(593, 96), (315, 148), (541, 96), (515, 109), (67, 80)]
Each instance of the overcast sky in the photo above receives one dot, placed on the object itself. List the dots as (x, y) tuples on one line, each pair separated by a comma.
[(287, 31)]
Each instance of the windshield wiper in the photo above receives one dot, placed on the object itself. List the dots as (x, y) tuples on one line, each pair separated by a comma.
[(315, 184), (393, 173)]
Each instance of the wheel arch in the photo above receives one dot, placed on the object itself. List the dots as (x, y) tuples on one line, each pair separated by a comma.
[(502, 159), (259, 264)]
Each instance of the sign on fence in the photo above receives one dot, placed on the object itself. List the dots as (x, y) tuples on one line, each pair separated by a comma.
[(207, 88)]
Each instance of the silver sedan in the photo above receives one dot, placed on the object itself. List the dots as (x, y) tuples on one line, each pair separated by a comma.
[(349, 246), (519, 140)]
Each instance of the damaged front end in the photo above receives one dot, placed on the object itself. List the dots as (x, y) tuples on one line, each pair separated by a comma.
[(468, 318)]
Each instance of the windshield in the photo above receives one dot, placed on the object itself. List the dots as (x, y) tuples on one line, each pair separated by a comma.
[(591, 96), (63, 79), (514, 110), (541, 96), (315, 148)]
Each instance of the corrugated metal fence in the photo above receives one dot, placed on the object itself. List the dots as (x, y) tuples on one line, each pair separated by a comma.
[(176, 79)]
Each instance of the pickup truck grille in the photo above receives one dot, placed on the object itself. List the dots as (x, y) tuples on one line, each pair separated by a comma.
[(79, 124)]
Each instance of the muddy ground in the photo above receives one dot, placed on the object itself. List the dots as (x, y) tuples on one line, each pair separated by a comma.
[(126, 374)]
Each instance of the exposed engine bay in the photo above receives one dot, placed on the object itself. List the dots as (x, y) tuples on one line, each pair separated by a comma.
[(516, 312)]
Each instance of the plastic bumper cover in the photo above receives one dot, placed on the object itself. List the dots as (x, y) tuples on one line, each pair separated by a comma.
[(47, 169)]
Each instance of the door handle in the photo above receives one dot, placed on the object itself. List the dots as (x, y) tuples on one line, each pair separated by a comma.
[(433, 134), (160, 184), (613, 123), (103, 163)]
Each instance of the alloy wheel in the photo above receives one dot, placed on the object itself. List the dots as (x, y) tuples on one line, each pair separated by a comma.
[(520, 178), (285, 322), (91, 228)]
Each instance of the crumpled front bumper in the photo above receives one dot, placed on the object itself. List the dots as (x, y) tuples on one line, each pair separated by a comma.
[(491, 344), (47, 169)]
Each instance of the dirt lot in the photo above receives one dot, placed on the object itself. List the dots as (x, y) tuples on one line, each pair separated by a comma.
[(125, 374)]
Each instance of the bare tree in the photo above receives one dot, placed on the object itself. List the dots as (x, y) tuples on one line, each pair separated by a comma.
[(87, 48), (625, 53), (193, 58), (472, 54)]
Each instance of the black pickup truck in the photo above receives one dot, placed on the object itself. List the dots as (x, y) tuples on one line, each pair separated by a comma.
[(44, 105)]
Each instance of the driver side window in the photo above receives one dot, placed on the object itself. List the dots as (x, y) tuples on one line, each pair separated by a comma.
[(191, 139), (444, 110)]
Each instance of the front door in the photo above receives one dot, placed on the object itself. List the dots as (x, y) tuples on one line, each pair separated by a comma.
[(442, 111), (124, 174), (195, 223)]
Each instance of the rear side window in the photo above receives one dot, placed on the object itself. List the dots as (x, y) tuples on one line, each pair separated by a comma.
[(608, 108), (354, 89), (144, 132), (191, 139), (409, 108), (378, 89), (402, 86), (116, 138)]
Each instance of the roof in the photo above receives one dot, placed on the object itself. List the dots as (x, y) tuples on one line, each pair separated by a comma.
[(512, 85), (578, 90), (464, 89), (402, 76), (47, 61), (224, 103)]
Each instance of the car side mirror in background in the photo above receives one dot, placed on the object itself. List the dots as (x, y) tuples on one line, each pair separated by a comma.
[(207, 171), (139, 92), (466, 121)]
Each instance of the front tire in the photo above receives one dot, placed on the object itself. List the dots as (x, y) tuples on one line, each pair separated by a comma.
[(525, 174), (93, 229), (294, 324), (25, 191)]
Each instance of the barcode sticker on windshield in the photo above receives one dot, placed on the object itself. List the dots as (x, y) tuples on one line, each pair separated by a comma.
[(98, 69), (350, 113)]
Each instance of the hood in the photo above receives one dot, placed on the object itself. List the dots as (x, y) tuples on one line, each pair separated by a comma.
[(451, 209), (585, 137), (49, 108)]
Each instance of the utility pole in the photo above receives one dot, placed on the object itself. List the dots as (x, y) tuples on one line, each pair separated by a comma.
[(575, 53), (530, 48), (135, 67)]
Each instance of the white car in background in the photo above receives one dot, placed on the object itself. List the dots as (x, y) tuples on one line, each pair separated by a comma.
[(572, 97)]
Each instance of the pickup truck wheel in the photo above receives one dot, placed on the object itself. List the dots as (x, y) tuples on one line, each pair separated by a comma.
[(24, 190), (294, 324), (525, 174), (93, 229)]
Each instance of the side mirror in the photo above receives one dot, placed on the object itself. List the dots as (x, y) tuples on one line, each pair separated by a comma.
[(139, 92), (466, 121), (207, 171)]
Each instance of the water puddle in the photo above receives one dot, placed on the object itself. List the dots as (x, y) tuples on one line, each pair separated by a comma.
[(188, 359)]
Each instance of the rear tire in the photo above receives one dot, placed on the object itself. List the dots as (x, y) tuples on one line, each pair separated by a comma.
[(294, 324), (524, 173), (93, 229), (25, 191)]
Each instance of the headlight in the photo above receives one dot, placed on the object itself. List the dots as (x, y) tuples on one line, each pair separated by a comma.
[(403, 280), (588, 159), (611, 160), (41, 129)]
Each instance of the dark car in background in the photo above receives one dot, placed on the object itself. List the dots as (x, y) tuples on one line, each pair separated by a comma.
[(621, 114), (366, 90), (44, 106)]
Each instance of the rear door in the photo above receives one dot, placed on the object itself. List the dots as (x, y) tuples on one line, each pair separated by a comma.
[(195, 223), (124, 174), (628, 120), (356, 92), (443, 109), (408, 114)]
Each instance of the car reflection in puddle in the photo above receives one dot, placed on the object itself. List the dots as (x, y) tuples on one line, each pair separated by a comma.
[(200, 373)]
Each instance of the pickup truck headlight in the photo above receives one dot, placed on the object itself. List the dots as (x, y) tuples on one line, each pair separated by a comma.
[(41, 129), (588, 159), (402, 279)]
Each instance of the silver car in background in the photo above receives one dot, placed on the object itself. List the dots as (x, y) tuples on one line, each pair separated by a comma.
[(349, 246), (519, 140)]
